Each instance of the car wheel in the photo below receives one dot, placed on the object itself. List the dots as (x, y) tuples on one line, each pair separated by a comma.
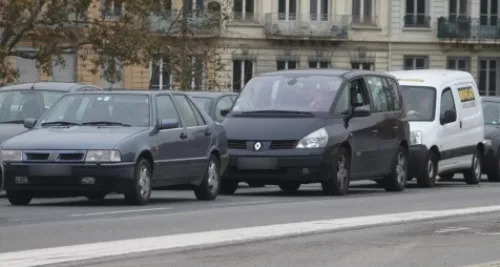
[(96, 196), (139, 191), (396, 180), (446, 176), (19, 198), (494, 172), (427, 178), (338, 182), (209, 187), (473, 174), (290, 187), (228, 187)]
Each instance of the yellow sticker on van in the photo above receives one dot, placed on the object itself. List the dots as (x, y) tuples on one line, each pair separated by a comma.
[(466, 94), (412, 80)]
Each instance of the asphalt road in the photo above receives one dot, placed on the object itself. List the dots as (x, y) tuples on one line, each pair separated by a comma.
[(71, 221)]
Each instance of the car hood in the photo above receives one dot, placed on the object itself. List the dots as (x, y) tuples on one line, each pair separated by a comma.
[(241, 128), (74, 137), (8, 131), (491, 131)]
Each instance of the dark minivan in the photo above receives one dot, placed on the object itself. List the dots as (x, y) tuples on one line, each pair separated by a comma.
[(327, 126)]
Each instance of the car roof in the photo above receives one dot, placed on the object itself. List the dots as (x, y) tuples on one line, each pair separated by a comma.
[(130, 92), (335, 72), (491, 98), (209, 94), (430, 77), (57, 86)]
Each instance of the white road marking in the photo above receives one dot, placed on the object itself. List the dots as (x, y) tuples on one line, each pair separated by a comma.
[(489, 264), (116, 212), (452, 229), (495, 233), (244, 203), (45, 256)]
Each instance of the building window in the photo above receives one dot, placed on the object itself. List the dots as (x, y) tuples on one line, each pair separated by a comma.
[(244, 10), (112, 8), (488, 77), (363, 11), (415, 62), (318, 10), (112, 83), (488, 12), (458, 63), (160, 74), (198, 73), (457, 9), (286, 64), (242, 72), (319, 64), (65, 72), (362, 66), (416, 14), (287, 9)]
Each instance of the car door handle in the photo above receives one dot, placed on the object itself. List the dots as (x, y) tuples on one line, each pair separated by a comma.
[(395, 128), (460, 124), (183, 136), (374, 131), (208, 132)]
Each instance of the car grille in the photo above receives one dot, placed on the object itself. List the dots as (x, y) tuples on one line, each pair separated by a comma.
[(237, 144), (51, 156), (276, 144)]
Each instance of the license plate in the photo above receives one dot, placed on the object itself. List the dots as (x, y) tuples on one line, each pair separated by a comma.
[(257, 163), (50, 170)]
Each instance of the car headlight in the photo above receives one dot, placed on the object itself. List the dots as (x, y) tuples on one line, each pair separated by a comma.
[(416, 138), (12, 155), (316, 139), (103, 156)]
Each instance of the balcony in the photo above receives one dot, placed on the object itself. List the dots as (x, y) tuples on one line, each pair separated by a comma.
[(468, 28), (417, 21), (306, 26), (203, 23)]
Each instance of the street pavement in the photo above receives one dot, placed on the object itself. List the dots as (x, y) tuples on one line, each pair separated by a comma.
[(72, 221)]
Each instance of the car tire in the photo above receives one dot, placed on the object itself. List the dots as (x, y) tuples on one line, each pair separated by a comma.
[(96, 196), (427, 177), (337, 184), (290, 187), (210, 185), (446, 176), (139, 191), (228, 187), (396, 180), (493, 174), (473, 174), (19, 198)]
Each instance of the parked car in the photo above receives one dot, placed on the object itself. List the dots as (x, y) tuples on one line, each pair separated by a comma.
[(491, 112), (330, 126), (446, 122), (214, 102), (30, 100), (93, 143)]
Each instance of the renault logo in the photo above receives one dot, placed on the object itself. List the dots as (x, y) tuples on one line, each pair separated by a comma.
[(257, 146)]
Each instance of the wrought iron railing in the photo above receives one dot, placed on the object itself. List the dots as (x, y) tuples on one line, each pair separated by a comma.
[(468, 28), (306, 25)]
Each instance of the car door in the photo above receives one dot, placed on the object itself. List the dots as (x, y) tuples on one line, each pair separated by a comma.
[(449, 134), (199, 135), (224, 102), (171, 155)]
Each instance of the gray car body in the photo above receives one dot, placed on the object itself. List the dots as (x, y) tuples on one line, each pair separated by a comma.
[(215, 97), (492, 132), (175, 160)]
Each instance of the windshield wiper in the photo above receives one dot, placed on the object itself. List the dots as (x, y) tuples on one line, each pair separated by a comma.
[(14, 121), (59, 123), (277, 112), (106, 123)]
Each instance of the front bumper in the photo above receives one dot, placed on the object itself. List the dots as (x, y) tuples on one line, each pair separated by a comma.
[(418, 160), (277, 166), (67, 177)]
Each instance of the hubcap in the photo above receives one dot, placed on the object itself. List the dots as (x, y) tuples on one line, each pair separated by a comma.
[(213, 176), (144, 181), (430, 168), (477, 168), (341, 171), (400, 168)]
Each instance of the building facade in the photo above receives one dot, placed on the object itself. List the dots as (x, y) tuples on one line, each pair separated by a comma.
[(381, 35)]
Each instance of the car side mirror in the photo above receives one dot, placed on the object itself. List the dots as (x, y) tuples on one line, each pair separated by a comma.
[(449, 116), (224, 112), (29, 123), (169, 124), (361, 111)]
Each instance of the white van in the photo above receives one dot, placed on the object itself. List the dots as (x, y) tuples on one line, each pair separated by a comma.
[(446, 122)]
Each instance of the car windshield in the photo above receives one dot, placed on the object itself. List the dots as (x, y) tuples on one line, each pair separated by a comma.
[(203, 102), (100, 109), (491, 112), (312, 93), (420, 102), (15, 106)]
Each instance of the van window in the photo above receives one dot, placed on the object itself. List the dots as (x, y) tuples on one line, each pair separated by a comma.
[(378, 92), (447, 102), (393, 91), (420, 102), (491, 111)]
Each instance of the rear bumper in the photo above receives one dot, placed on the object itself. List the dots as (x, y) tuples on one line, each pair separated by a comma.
[(274, 167), (418, 159), (67, 177)]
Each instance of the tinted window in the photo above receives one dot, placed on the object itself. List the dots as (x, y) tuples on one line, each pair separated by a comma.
[(420, 102), (223, 103), (133, 110), (378, 93), (197, 114), (358, 94), (491, 112), (166, 109), (22, 104), (447, 102), (203, 102), (394, 90), (342, 106), (186, 111), (299, 93)]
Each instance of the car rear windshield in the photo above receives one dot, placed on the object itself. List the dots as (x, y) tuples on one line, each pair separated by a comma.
[(420, 102), (127, 109), (312, 93), (491, 112), (203, 102), (15, 106)]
